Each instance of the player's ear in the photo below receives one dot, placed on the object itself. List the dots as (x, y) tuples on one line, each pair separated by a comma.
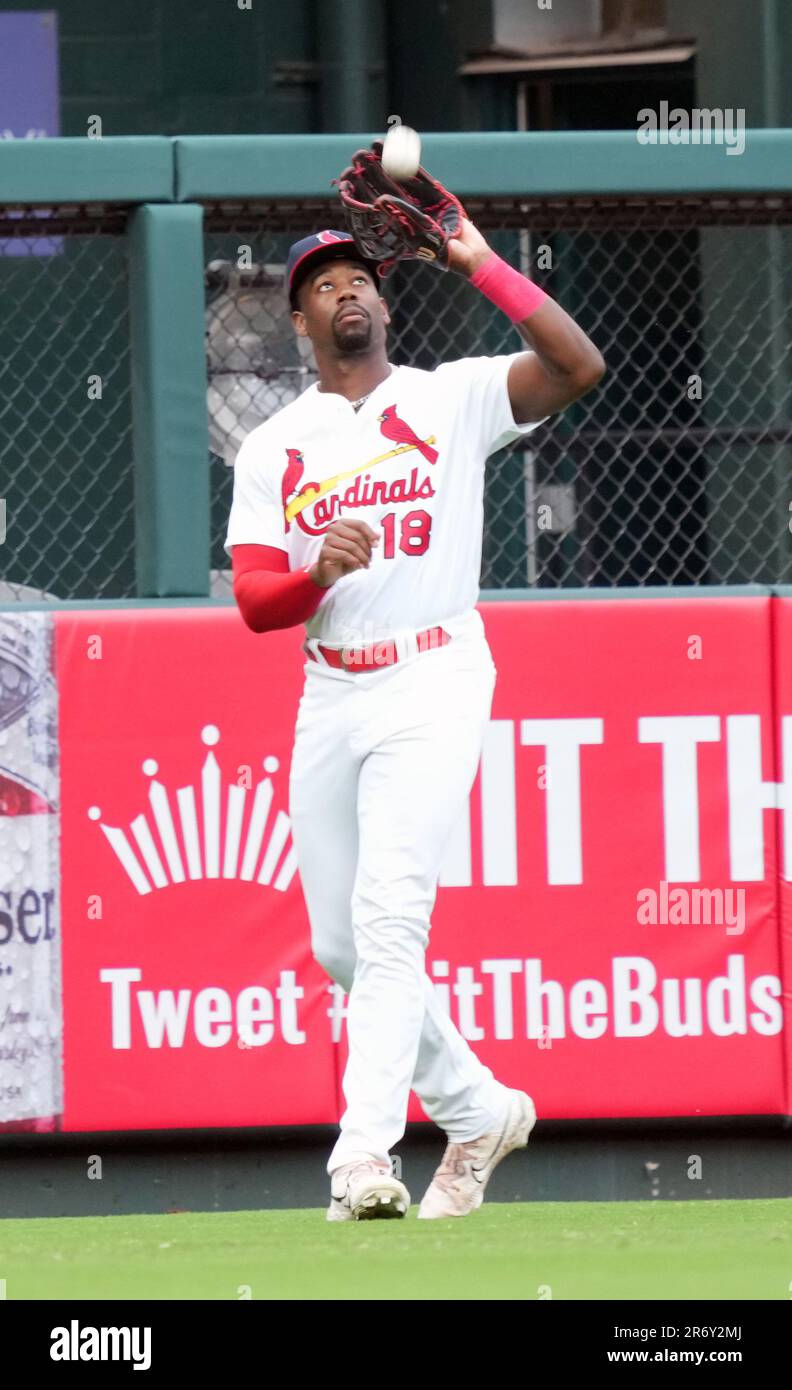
[(385, 315), (300, 325)]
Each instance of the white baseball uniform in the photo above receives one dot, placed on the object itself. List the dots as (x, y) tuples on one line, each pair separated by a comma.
[(385, 758)]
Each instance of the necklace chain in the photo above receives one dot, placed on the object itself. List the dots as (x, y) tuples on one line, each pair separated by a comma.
[(357, 404)]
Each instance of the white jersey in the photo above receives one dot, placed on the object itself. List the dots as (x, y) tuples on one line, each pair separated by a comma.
[(410, 463)]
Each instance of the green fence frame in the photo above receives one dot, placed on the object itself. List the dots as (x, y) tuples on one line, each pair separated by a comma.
[(165, 182)]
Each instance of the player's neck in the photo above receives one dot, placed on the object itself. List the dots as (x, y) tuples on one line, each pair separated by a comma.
[(351, 379)]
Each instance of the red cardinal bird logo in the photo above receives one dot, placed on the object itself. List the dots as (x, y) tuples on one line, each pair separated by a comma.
[(394, 428), (291, 477)]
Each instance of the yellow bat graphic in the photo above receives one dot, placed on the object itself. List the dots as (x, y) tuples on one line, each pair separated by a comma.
[(300, 503)]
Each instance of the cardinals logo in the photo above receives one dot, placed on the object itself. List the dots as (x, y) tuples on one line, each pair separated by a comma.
[(291, 477), (401, 433), (298, 496)]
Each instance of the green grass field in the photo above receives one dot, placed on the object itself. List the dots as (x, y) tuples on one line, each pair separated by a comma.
[(581, 1250)]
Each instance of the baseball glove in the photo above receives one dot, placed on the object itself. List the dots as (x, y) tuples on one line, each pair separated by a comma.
[(390, 221)]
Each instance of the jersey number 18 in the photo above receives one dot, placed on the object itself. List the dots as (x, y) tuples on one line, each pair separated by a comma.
[(414, 533)]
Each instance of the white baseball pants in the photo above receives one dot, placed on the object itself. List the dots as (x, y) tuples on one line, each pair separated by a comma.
[(383, 763)]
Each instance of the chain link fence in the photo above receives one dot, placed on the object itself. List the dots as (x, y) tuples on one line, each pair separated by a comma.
[(673, 472), (66, 475)]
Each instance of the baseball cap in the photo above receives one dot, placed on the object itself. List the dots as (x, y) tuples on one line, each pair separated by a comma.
[(307, 254)]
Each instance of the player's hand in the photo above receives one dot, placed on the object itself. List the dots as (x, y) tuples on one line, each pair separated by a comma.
[(468, 251), (347, 546)]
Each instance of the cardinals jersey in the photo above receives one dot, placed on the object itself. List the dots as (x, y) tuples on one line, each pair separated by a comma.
[(409, 462)]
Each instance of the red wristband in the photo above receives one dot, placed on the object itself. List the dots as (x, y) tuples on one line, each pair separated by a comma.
[(512, 292)]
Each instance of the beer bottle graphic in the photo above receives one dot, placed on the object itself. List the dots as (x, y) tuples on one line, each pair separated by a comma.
[(31, 1080)]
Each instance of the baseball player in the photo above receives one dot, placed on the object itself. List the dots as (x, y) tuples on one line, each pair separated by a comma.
[(357, 510)]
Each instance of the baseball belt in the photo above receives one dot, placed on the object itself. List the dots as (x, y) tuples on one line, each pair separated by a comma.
[(385, 653)]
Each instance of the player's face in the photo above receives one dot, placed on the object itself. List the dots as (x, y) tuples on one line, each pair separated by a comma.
[(341, 309)]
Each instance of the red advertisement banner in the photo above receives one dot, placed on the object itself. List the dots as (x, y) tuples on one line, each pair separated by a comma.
[(191, 998), (606, 932), (782, 674)]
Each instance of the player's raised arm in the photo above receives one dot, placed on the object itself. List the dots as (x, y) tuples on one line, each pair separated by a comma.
[(564, 363)]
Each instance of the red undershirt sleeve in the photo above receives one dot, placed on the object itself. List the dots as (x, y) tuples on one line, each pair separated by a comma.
[(268, 594)]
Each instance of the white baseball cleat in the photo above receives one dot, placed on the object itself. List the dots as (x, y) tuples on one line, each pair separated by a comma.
[(365, 1191), (457, 1187)]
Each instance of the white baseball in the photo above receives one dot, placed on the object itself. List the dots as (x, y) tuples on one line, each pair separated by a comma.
[(401, 152)]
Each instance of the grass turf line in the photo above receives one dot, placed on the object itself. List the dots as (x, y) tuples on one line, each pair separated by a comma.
[(581, 1250)]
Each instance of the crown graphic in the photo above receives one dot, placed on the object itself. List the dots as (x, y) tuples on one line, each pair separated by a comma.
[(202, 847)]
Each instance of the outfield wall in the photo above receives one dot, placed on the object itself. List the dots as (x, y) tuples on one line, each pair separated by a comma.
[(612, 927)]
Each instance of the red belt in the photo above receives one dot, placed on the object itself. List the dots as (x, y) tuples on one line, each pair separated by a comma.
[(379, 653)]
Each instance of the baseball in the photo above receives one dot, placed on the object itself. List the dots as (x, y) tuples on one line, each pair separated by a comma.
[(401, 152)]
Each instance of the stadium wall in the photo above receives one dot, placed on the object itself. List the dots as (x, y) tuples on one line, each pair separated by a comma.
[(634, 1122)]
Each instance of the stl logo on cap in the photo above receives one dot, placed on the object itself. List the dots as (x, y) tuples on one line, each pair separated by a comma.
[(328, 237)]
